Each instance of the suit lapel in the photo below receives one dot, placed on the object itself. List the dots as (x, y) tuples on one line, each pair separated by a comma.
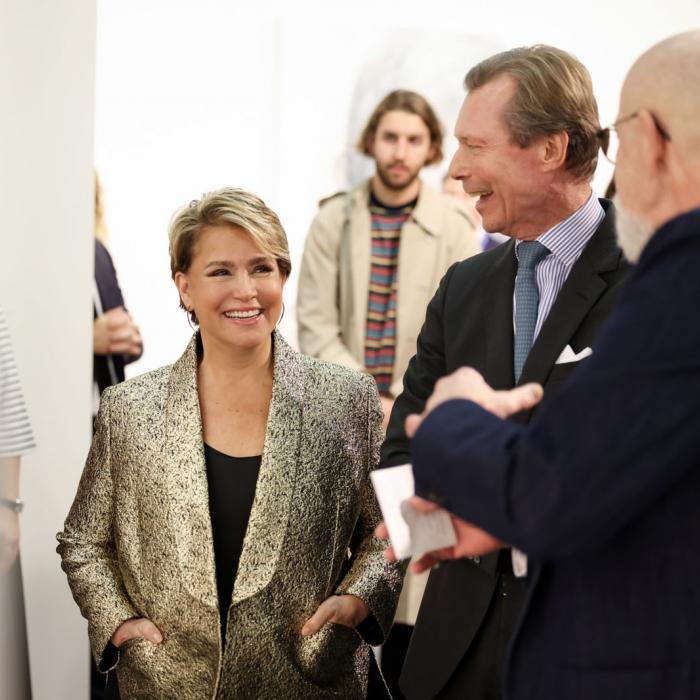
[(497, 322), (187, 480), (267, 524), (497, 318), (582, 289)]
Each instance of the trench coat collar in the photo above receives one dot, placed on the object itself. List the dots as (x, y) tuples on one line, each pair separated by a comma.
[(187, 478), (427, 214)]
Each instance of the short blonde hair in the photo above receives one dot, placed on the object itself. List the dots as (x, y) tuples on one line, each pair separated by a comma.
[(554, 93), (226, 206)]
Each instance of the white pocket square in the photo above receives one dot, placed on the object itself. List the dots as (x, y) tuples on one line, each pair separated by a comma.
[(568, 355)]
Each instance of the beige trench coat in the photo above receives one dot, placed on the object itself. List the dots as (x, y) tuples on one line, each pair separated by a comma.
[(333, 285), (333, 291), (138, 543)]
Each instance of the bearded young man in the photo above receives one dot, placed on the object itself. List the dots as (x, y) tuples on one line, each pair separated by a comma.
[(375, 255), (601, 490)]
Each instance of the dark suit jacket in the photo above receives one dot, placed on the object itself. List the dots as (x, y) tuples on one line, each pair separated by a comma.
[(470, 322), (111, 297), (603, 490)]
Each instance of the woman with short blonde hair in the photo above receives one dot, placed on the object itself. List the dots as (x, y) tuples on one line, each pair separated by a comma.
[(221, 541)]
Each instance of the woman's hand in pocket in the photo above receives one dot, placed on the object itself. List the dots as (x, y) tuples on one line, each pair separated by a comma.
[(136, 627), (346, 610)]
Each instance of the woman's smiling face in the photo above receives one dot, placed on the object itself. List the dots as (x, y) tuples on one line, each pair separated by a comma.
[(234, 288)]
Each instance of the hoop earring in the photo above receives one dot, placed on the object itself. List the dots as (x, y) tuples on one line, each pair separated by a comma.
[(279, 320), (189, 320)]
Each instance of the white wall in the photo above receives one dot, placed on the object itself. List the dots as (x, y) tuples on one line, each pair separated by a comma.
[(47, 70), (191, 96)]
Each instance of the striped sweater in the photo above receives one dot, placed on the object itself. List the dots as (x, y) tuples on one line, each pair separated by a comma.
[(380, 336)]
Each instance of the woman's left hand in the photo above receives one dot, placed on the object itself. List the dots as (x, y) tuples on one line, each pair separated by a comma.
[(346, 610)]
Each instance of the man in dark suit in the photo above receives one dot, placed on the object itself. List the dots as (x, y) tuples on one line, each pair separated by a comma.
[(602, 488), (526, 311)]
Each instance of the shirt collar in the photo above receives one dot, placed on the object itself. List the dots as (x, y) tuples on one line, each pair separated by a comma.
[(568, 238)]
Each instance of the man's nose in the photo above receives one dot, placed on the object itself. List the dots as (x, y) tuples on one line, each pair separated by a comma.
[(400, 149), (459, 166)]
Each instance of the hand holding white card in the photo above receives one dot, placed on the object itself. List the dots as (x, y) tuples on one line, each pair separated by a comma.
[(412, 533)]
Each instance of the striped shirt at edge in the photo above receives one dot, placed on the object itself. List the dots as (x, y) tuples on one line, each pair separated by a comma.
[(380, 336), (565, 241), (16, 436)]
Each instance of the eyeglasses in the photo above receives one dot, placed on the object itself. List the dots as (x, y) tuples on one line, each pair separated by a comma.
[(610, 141)]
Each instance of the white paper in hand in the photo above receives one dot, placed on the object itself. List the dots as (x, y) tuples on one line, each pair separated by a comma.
[(411, 532)]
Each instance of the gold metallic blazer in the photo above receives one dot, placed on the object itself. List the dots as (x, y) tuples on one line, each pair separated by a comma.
[(138, 542)]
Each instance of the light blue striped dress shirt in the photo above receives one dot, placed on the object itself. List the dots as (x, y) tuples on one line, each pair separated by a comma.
[(566, 241)]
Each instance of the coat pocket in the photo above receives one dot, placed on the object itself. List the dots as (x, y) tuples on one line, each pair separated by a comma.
[(328, 658), (139, 668)]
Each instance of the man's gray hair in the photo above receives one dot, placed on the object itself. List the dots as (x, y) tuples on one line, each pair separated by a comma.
[(554, 93)]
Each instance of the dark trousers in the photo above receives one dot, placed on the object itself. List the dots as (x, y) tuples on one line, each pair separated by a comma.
[(393, 656), (102, 687), (376, 685), (480, 673)]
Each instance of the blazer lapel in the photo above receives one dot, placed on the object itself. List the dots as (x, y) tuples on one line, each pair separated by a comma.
[(497, 315), (187, 480), (580, 292), (267, 524)]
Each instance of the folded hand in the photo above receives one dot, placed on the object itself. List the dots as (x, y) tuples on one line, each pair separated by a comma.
[(467, 383)]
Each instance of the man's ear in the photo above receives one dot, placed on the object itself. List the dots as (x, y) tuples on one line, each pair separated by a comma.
[(183, 286), (651, 144), (554, 150), (369, 144)]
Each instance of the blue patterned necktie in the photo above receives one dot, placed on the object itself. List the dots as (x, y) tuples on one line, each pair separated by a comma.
[(527, 299)]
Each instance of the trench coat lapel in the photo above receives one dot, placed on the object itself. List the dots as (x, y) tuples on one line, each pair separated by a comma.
[(419, 241), (360, 245), (275, 488), (497, 315)]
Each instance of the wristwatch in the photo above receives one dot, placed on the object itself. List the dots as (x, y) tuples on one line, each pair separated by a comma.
[(14, 504)]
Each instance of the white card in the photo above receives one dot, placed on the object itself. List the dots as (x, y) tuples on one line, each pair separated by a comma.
[(411, 532)]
